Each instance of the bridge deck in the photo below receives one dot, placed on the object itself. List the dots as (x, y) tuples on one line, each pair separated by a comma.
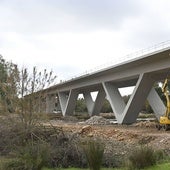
[(123, 74)]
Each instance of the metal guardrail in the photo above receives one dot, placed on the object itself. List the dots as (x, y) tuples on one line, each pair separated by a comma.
[(126, 58)]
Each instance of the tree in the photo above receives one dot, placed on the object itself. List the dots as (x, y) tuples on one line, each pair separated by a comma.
[(8, 80), (22, 92), (30, 92), (3, 70), (106, 108), (81, 105)]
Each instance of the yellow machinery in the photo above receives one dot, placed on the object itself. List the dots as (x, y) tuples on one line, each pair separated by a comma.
[(164, 121)]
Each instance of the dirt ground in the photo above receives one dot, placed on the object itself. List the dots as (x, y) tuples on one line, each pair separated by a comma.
[(119, 140), (122, 137)]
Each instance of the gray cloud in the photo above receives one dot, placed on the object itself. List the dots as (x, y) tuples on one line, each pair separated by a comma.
[(35, 16), (107, 14), (37, 31), (152, 27)]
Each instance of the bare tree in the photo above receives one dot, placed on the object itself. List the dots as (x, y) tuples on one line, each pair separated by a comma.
[(30, 90)]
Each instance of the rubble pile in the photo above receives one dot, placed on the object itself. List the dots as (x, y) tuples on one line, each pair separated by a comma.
[(97, 120), (147, 124)]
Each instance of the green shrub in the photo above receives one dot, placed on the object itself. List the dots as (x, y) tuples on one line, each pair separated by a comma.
[(141, 157), (63, 148), (66, 153), (33, 156), (94, 153), (160, 156), (13, 164)]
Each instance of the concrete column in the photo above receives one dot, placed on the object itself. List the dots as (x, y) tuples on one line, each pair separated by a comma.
[(128, 113), (116, 101), (156, 103), (71, 102), (94, 107), (89, 102), (63, 97), (42, 104), (58, 107), (68, 101), (99, 101), (50, 103), (137, 99), (47, 103)]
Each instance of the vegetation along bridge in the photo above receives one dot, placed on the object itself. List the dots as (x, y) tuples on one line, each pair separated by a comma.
[(142, 71)]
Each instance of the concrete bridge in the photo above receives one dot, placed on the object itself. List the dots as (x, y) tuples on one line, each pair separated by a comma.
[(142, 72)]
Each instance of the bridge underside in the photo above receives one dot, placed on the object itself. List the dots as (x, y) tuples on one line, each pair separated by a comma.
[(142, 74)]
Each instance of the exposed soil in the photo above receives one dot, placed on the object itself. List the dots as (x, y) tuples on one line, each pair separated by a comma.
[(119, 140), (122, 138)]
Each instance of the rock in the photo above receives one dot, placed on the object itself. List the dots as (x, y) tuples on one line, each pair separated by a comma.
[(86, 129)]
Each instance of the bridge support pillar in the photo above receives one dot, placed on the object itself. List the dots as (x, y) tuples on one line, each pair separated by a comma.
[(89, 102), (94, 107), (128, 113), (58, 107), (50, 103), (138, 98), (68, 101), (116, 101), (156, 103)]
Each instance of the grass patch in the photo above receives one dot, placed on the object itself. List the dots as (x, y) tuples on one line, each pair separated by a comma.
[(79, 169), (94, 153), (163, 166), (141, 158)]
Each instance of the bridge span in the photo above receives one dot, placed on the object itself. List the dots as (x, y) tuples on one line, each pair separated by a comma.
[(142, 72)]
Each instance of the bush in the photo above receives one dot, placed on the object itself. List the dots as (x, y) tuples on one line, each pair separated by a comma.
[(17, 143), (160, 156), (66, 153), (94, 153), (141, 157), (33, 156)]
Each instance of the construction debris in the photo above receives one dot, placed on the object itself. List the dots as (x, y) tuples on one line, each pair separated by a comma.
[(98, 120)]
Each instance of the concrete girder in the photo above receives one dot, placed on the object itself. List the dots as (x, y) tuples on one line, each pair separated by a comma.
[(68, 101), (128, 113), (94, 107), (157, 62), (156, 103)]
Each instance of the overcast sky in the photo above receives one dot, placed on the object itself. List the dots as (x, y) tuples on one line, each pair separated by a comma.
[(72, 36)]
